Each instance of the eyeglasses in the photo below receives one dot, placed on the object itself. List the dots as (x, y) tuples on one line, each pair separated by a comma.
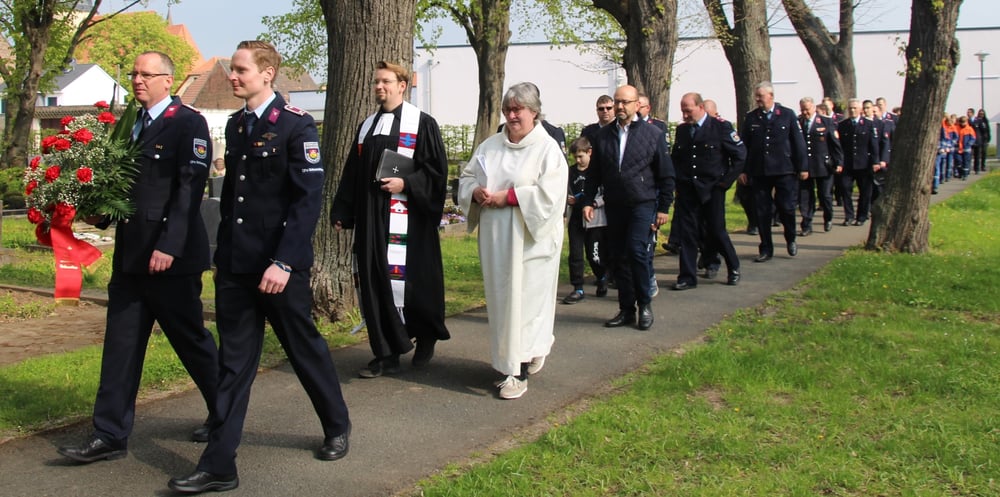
[(605, 108), (385, 81), (513, 110), (145, 76), (625, 102)]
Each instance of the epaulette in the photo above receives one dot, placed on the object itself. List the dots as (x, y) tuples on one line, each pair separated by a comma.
[(192, 108), (720, 119), (295, 110)]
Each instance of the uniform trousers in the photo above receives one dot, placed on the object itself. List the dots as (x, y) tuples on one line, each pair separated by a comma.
[(811, 190), (702, 222), (979, 158), (785, 190), (628, 242), (866, 181), (134, 303), (241, 309)]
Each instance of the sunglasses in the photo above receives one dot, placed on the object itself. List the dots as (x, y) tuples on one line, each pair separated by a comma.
[(605, 108)]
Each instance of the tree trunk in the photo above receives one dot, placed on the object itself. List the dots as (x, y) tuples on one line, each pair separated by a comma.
[(899, 217), (22, 94), (360, 34), (489, 34), (832, 56), (747, 45), (650, 43)]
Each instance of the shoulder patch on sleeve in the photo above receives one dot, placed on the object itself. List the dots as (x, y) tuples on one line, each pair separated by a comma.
[(295, 110), (192, 108), (735, 137)]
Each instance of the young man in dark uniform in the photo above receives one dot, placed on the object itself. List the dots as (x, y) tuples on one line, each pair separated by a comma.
[(859, 139), (270, 204), (161, 250)]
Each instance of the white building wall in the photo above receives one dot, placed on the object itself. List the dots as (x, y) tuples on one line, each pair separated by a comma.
[(571, 81), (91, 87)]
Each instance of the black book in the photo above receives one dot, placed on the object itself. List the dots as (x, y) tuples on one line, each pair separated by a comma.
[(394, 165)]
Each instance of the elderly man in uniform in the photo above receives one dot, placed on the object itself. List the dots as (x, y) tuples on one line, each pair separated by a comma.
[(398, 253), (823, 154), (630, 160), (708, 156), (160, 253), (776, 160), (270, 204), (859, 138)]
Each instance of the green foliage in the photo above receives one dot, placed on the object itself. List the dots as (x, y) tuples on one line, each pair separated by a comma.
[(115, 43), (300, 36), (458, 141), (11, 188)]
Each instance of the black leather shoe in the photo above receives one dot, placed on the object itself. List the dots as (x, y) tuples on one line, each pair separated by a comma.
[(859, 222), (200, 434), (827, 226), (574, 297), (845, 223), (94, 449), (806, 232), (763, 258), (733, 279), (645, 317), (335, 447), (202, 481), (793, 249), (602, 289), (425, 351), (621, 319), (711, 273), (682, 285), (379, 367), (752, 231), (671, 248)]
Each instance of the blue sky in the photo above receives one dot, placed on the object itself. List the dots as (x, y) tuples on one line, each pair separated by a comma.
[(218, 25)]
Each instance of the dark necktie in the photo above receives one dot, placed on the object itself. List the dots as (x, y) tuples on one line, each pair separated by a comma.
[(694, 130), (142, 122), (250, 119)]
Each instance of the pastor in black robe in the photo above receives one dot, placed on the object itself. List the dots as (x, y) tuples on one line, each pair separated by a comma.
[(361, 204)]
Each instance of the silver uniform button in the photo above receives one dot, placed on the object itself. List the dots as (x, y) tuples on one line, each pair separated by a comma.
[(164, 219), (239, 199), (239, 220), (156, 156), (243, 177), (264, 154), (243, 158)]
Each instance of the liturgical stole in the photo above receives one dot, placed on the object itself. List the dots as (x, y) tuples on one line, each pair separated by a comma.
[(398, 209)]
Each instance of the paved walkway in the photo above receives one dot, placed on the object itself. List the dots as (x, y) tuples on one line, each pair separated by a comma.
[(409, 426)]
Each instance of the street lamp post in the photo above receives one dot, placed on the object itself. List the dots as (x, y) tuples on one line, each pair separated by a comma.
[(982, 79)]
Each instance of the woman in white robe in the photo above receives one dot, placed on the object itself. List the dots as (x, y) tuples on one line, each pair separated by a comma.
[(514, 190)]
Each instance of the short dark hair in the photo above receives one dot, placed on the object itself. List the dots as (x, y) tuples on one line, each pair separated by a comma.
[(581, 144)]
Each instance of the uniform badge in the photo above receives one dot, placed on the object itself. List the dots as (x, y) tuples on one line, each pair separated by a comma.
[(200, 148), (735, 137), (312, 152), (269, 136)]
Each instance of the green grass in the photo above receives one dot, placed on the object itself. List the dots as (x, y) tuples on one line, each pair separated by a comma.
[(878, 375)]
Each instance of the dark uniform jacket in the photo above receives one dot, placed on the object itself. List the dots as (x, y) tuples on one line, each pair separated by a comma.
[(982, 127), (645, 172), (775, 146), (712, 158), (172, 170), (885, 127), (272, 193), (823, 150), (860, 143)]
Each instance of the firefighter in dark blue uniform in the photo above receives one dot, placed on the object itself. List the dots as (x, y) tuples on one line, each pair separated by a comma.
[(270, 205), (859, 138), (823, 155), (776, 160), (708, 156), (161, 251)]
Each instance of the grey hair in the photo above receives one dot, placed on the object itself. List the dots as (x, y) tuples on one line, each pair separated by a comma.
[(766, 85), (806, 100), (525, 94)]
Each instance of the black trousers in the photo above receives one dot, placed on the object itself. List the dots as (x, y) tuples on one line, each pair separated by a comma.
[(628, 237), (979, 157), (241, 310), (785, 190), (585, 243), (811, 190), (134, 303), (702, 222), (865, 180)]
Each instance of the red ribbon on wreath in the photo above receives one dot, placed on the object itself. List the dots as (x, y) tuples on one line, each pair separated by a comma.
[(70, 254)]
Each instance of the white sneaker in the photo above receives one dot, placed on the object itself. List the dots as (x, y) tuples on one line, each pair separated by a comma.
[(536, 364), (512, 388)]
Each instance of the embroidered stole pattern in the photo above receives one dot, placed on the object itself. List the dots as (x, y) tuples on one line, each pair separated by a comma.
[(398, 208)]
